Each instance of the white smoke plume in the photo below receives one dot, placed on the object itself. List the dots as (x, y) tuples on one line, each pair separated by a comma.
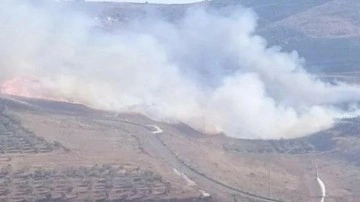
[(206, 69)]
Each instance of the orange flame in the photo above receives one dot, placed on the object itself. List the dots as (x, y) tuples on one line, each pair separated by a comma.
[(27, 87)]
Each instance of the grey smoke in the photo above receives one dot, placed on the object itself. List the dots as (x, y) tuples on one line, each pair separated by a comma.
[(207, 69)]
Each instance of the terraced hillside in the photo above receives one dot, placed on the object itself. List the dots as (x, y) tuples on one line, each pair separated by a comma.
[(104, 182), (55, 151), (117, 156), (15, 139)]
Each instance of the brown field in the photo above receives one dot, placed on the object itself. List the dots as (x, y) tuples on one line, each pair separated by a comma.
[(52, 151)]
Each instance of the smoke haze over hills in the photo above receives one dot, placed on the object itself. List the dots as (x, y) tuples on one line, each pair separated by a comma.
[(207, 70)]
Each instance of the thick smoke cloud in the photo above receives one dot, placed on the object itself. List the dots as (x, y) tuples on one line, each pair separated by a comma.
[(206, 69)]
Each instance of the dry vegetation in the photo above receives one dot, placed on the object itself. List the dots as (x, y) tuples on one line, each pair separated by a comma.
[(57, 153), (94, 183), (87, 151), (246, 164), (14, 138)]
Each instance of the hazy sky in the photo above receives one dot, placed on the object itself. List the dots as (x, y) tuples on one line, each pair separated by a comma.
[(153, 1)]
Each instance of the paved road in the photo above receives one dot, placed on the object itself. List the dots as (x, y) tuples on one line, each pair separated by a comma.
[(151, 142)]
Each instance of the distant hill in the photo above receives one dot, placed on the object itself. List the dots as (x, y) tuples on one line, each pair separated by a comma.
[(325, 32), (271, 11), (335, 19)]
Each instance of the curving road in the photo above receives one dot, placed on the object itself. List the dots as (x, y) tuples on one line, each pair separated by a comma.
[(151, 142)]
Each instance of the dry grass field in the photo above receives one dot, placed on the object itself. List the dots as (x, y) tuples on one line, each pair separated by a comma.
[(60, 151)]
